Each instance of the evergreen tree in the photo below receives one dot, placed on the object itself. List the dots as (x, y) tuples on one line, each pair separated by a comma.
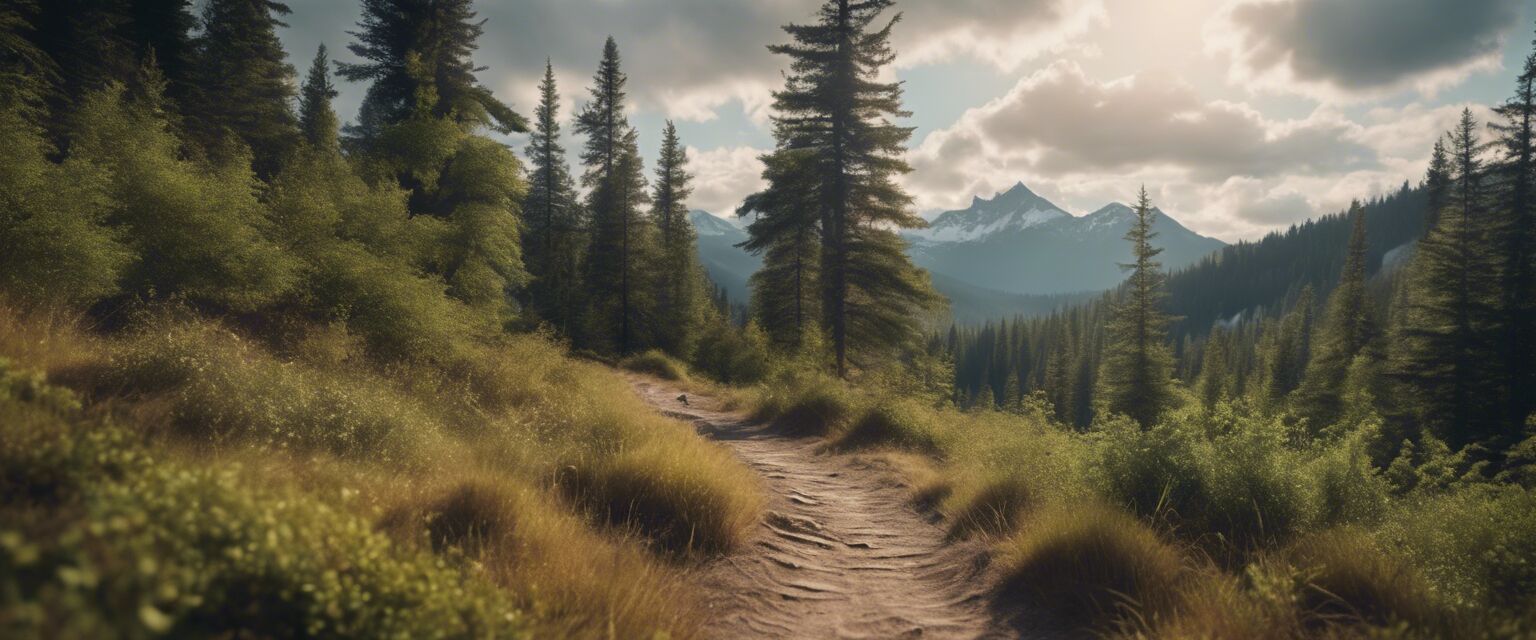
[(1347, 328), (1437, 183), (785, 231), (24, 67), (1444, 352), (1137, 365), (163, 29), (620, 244), (83, 44), (1291, 347), (1516, 233), (680, 277), (317, 120), (833, 105), (1214, 382), (418, 59), (246, 84), (553, 237)]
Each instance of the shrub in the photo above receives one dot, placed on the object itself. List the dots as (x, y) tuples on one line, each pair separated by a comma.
[(1092, 566), (814, 406), (131, 546), (656, 363), (732, 356), (469, 516), (1476, 543)]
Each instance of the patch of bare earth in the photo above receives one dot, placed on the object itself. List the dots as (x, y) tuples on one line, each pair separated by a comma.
[(841, 552)]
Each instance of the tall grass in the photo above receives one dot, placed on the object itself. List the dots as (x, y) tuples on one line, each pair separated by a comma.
[(511, 466)]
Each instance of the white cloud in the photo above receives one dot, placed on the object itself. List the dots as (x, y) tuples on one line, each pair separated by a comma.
[(722, 177)]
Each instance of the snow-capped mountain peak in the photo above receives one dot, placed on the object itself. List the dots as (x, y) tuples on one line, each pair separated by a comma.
[(707, 224), (1013, 210)]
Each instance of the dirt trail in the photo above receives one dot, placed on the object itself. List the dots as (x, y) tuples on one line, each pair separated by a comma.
[(840, 554)]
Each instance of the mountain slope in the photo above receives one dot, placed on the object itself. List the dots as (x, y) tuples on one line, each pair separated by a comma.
[(728, 266), (1018, 242)]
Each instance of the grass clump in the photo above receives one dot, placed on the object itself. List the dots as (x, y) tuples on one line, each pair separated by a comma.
[(814, 406), (992, 507), (1092, 566), (904, 425), (1346, 579), (656, 363)]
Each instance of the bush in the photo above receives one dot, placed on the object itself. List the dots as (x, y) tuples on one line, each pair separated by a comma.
[(732, 356), (815, 406), (1093, 567), (1477, 544), (125, 545), (656, 363)]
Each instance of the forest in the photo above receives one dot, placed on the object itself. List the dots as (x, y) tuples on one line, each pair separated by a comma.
[(267, 374)]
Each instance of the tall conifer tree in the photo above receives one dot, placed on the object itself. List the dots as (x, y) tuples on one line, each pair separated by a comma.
[(317, 119), (1347, 329), (1444, 350), (552, 239), (1138, 366), (246, 84), (680, 277), (786, 231), (417, 56), (1516, 232), (620, 234), (833, 105)]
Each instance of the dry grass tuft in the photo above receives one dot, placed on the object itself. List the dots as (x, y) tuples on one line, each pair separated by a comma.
[(1092, 566)]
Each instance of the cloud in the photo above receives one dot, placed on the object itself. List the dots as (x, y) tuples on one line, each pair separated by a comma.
[(688, 59), (1220, 167), (1059, 122), (722, 177), (1347, 49)]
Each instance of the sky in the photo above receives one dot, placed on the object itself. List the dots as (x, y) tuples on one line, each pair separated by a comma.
[(1239, 116)]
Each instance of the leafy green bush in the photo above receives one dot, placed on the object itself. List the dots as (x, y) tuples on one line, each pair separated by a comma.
[(123, 545), (57, 246), (656, 363), (733, 356), (198, 230), (1477, 543)]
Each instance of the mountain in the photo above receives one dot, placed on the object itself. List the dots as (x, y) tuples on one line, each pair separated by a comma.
[(1018, 242), (727, 265)]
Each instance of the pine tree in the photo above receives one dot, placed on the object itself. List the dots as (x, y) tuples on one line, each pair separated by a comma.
[(833, 105), (785, 230), (24, 67), (83, 44), (553, 237), (680, 277), (246, 84), (620, 245), (1214, 383), (418, 59), (1437, 183), (1137, 365), (1347, 328), (317, 119), (164, 29), (1292, 344), (1516, 241), (1444, 353)]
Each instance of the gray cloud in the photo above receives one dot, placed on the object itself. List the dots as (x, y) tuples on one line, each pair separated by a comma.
[(1363, 46), (1068, 123), (688, 58)]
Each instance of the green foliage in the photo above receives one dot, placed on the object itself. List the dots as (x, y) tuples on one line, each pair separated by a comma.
[(58, 247), (731, 355), (222, 390), (680, 279), (317, 120), (784, 229), (199, 231), (1476, 543), (422, 73), (124, 545), (481, 189), (900, 424)]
